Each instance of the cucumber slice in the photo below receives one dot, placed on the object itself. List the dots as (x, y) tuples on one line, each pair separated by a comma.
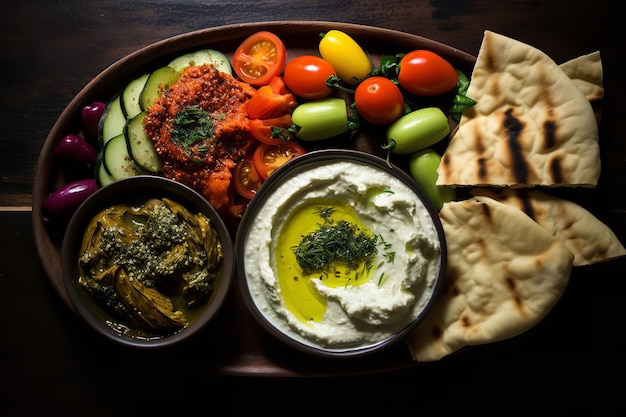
[(130, 96), (203, 56), (158, 81), (140, 146), (112, 121), (103, 178), (117, 161)]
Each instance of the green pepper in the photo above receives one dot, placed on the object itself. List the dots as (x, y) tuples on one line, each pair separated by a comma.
[(321, 119), (423, 167), (416, 130)]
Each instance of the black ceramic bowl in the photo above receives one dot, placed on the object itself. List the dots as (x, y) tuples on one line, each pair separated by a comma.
[(260, 229), (135, 191)]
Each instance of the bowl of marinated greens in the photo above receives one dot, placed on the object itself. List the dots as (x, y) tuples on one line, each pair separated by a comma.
[(147, 262)]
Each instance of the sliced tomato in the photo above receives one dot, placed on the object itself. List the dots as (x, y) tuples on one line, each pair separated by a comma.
[(271, 131), (272, 100), (247, 179), (259, 58), (268, 158)]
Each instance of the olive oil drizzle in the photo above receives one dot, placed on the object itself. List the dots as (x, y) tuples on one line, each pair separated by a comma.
[(337, 242)]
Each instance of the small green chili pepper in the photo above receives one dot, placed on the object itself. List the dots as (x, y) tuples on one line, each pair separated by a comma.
[(423, 167), (416, 130), (321, 119)]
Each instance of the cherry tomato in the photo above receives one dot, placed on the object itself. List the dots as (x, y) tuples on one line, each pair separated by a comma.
[(379, 101), (345, 55), (306, 76), (272, 100), (259, 58), (268, 158), (271, 131), (424, 73), (247, 179)]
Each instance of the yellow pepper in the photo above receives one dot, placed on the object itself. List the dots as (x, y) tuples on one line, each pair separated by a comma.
[(346, 56)]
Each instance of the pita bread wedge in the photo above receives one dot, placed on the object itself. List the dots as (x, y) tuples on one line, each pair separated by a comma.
[(584, 234), (587, 74), (531, 124), (504, 274)]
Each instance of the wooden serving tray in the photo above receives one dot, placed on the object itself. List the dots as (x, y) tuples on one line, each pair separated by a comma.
[(233, 343)]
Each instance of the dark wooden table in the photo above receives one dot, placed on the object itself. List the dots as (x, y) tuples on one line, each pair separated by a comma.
[(51, 363)]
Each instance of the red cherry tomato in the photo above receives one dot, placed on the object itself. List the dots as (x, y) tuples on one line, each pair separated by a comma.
[(379, 101), (306, 76), (268, 158), (259, 58), (424, 73), (271, 131), (247, 179)]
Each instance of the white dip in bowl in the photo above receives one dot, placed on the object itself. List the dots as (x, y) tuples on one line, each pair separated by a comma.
[(339, 254)]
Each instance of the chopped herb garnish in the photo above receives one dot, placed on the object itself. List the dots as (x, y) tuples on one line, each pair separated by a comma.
[(325, 213), (380, 280), (192, 125), (339, 242)]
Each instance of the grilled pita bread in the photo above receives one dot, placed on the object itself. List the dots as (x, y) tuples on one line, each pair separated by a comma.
[(584, 234), (531, 124), (586, 73), (504, 274)]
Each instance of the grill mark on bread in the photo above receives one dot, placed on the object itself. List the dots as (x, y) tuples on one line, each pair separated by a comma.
[(556, 170), (482, 168), (510, 283), (550, 124), (488, 55), (513, 128), (487, 211), (527, 206), (549, 133)]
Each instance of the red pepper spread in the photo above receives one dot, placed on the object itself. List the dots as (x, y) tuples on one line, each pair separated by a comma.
[(200, 129)]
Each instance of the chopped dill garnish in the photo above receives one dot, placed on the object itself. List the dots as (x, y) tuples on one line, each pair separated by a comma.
[(325, 213), (380, 280), (191, 125), (339, 242)]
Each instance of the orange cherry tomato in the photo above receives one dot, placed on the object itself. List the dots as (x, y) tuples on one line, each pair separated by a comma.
[(306, 76), (424, 73), (247, 179), (271, 131), (271, 100), (259, 58), (268, 158), (379, 101)]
